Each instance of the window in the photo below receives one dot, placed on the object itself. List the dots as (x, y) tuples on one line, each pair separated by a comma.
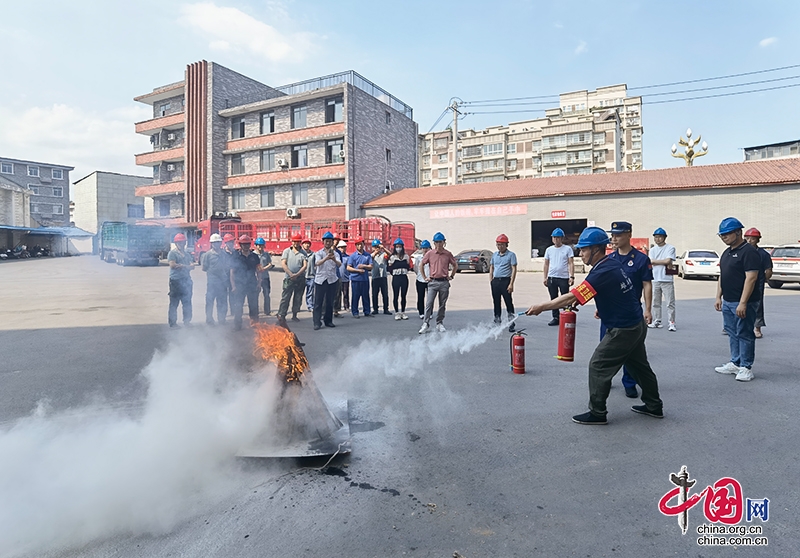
[(511, 148), (58, 192), (7, 168), (426, 160), (163, 109), (441, 173), (512, 165), (34, 189), (237, 164), (426, 175), (299, 156), (599, 139), (237, 199), (333, 109), (35, 208), (135, 211), (155, 139), (267, 122), (493, 164), (33, 171), (636, 144), (492, 149), (163, 208), (579, 138), (555, 159), (472, 151), (441, 158), (335, 191), (268, 196), (268, 160), (555, 141), (537, 146), (599, 156), (237, 128), (426, 146), (473, 166), (334, 151), (440, 143), (299, 194), (388, 156), (58, 174), (580, 170), (156, 170), (578, 157), (636, 133), (299, 116), (388, 117)]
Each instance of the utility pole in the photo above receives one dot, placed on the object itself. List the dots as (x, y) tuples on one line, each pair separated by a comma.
[(454, 108)]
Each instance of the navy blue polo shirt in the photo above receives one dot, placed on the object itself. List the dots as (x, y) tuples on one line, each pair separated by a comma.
[(637, 266), (354, 260), (613, 292)]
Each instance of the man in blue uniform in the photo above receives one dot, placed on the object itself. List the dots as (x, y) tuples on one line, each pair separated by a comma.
[(626, 329), (359, 266), (638, 267)]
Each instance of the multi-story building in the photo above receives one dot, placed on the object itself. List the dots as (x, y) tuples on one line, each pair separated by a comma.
[(48, 184), (589, 132), (317, 149), (773, 151)]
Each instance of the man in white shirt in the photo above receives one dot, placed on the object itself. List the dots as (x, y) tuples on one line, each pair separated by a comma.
[(326, 276), (559, 269), (661, 256)]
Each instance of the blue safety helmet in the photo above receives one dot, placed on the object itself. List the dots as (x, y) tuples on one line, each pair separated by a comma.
[(400, 242), (260, 241), (592, 236), (659, 231), (557, 232), (376, 242), (328, 234), (439, 237), (424, 244), (730, 224)]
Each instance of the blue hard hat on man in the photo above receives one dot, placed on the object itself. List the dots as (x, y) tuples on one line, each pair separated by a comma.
[(659, 232), (439, 237), (557, 232), (730, 224), (327, 235), (592, 236), (425, 244), (376, 242), (260, 241)]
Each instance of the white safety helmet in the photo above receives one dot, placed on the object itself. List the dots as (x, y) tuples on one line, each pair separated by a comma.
[(215, 238)]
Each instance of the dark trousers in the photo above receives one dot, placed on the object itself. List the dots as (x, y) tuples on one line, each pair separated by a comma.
[(400, 290), (180, 292), (292, 288), (627, 380), (360, 294), (422, 293), (342, 296), (382, 285), (621, 346), (323, 297), (554, 286), (216, 293), (242, 292), (265, 289), (500, 292), (760, 312)]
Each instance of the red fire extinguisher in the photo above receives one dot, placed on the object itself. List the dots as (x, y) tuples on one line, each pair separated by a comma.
[(518, 352), (566, 335)]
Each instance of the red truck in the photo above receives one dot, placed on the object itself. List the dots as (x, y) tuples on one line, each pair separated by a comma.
[(277, 234)]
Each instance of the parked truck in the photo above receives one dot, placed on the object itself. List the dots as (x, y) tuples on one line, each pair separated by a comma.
[(133, 244)]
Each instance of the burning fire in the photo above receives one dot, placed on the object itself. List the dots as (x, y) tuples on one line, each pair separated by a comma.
[(278, 345)]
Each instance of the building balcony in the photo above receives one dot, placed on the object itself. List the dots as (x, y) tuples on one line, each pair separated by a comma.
[(302, 174), (171, 122), (301, 135), (153, 158), (168, 188)]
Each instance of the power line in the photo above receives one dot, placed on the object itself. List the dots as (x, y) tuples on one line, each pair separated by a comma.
[(723, 94), (718, 77), (512, 99), (438, 119)]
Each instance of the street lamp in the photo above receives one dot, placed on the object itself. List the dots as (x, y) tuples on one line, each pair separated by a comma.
[(689, 154)]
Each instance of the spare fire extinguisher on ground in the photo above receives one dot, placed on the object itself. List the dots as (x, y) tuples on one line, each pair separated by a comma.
[(518, 352), (566, 335)]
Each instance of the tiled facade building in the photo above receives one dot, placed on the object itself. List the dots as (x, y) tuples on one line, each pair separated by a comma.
[(48, 185), (781, 150), (589, 132), (318, 149)]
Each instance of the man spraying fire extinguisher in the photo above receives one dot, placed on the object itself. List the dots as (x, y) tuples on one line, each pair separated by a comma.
[(623, 344)]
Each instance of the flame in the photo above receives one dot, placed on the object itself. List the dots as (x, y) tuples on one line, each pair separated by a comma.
[(278, 345)]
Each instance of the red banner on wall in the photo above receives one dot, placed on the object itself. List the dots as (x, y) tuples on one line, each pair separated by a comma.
[(558, 214), (481, 211)]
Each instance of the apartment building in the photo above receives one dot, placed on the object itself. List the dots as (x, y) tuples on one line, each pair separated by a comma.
[(589, 132), (781, 150), (48, 185), (316, 149)]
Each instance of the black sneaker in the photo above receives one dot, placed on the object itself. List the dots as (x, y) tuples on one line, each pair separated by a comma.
[(589, 418), (497, 320), (512, 328), (553, 322), (643, 410), (387, 312), (330, 325), (317, 327), (631, 392)]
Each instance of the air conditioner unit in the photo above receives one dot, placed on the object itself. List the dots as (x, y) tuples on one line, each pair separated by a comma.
[(282, 163), (341, 154), (170, 167), (170, 137), (292, 212)]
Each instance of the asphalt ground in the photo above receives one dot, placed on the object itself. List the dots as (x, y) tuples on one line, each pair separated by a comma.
[(450, 452)]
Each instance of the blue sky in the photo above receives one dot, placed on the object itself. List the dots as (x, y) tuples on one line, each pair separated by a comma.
[(71, 69)]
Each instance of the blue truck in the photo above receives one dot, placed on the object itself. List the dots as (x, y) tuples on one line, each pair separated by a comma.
[(129, 244)]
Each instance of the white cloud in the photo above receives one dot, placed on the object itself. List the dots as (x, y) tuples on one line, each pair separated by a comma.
[(558, 25), (581, 48), (233, 30), (767, 42), (68, 135)]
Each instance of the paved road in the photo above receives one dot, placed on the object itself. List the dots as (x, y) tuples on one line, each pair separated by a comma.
[(456, 455)]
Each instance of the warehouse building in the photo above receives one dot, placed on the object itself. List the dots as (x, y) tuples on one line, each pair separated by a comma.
[(689, 202)]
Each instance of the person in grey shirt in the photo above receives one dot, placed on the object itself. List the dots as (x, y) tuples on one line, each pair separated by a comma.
[(215, 264), (310, 272), (180, 282), (502, 274), (293, 262)]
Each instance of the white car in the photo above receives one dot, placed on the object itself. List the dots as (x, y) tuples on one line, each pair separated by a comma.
[(785, 265), (698, 263)]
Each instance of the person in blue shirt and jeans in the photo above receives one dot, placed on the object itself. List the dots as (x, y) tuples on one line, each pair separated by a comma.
[(626, 329), (502, 274), (359, 266)]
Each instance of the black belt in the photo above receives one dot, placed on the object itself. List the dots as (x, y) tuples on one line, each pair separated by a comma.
[(439, 278)]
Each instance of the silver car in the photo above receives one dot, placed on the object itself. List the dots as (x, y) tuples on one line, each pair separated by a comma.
[(785, 265), (698, 263)]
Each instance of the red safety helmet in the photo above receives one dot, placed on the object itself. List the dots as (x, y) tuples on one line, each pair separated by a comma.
[(752, 231), (297, 237), (228, 237), (180, 237), (245, 239), (502, 238), (358, 239), (306, 241)]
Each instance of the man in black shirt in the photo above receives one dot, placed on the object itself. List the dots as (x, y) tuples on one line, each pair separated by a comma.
[(738, 298), (244, 282), (753, 237)]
